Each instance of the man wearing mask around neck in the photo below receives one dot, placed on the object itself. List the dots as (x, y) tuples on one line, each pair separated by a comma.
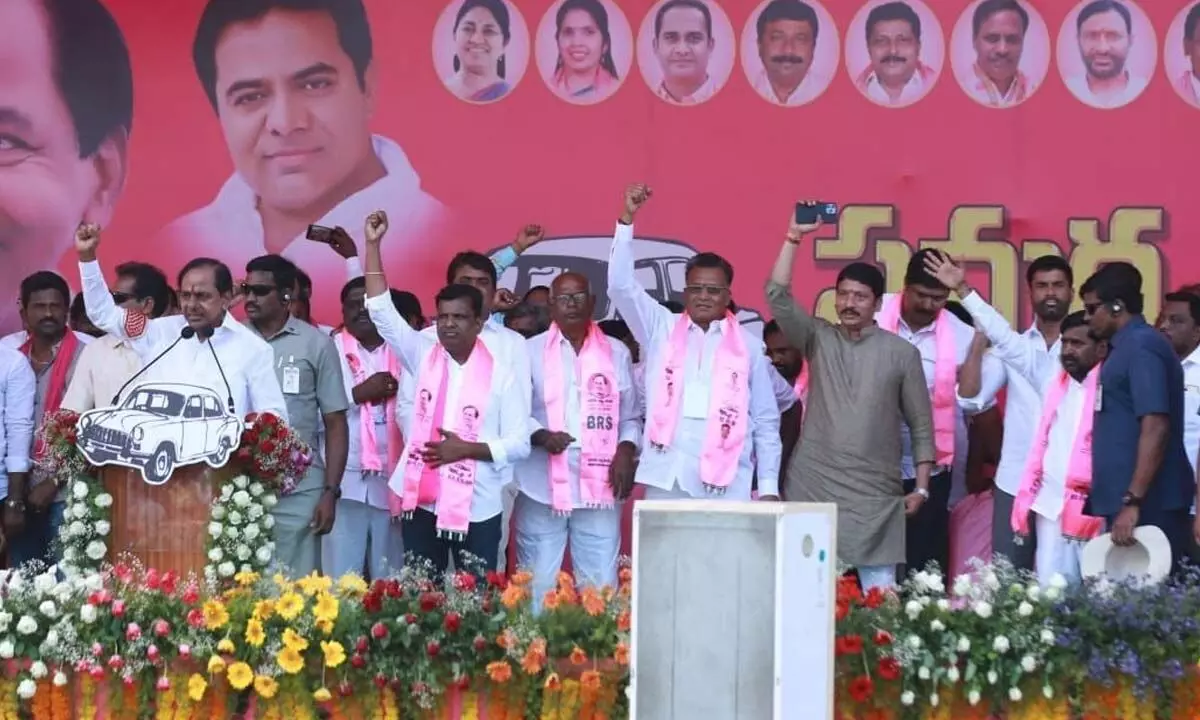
[(711, 407), (864, 386), (310, 375), (468, 422), (584, 435)]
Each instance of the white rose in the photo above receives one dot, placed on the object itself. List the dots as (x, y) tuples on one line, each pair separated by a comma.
[(93, 582), (934, 582), (990, 581), (241, 498), (96, 550), (914, 642), (226, 491), (962, 585), (943, 604), (983, 609), (907, 697), (44, 583), (1000, 644), (68, 512), (937, 626), (48, 608), (240, 482), (1053, 593), (218, 512), (1033, 592), (992, 677), (925, 601), (60, 679), (1014, 694), (87, 613), (269, 500), (251, 532), (215, 529), (952, 674), (226, 569), (973, 697), (1029, 663), (1048, 692), (923, 672), (934, 700), (254, 512), (216, 555), (80, 490), (256, 489), (51, 637), (235, 518), (76, 528), (243, 553), (6, 649), (1047, 636), (964, 644), (104, 500), (103, 527), (1058, 582), (262, 555), (913, 609), (27, 625), (268, 521), (26, 689), (1024, 609), (231, 532), (38, 670), (69, 555), (246, 568)]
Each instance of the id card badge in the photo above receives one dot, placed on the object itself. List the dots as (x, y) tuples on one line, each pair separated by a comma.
[(1099, 397), (291, 380), (695, 400)]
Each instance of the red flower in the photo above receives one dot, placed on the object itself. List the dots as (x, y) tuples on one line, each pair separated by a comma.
[(152, 579), (889, 669), (861, 689), (361, 644), (118, 608), (393, 589), (372, 603), (496, 580), (345, 689), (432, 648), (161, 627), (882, 638), (410, 619), (848, 590), (358, 662), (480, 643), (379, 631), (465, 582), (875, 598), (431, 601), (195, 617), (169, 581), (380, 681), (123, 573), (453, 622), (192, 595), (849, 645), (843, 610), (267, 447), (269, 420)]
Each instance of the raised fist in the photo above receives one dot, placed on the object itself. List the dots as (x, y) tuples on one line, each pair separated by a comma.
[(87, 238), (504, 300), (635, 197), (377, 226), (529, 236)]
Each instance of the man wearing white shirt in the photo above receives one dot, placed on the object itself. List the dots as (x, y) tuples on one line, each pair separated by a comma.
[(1180, 322), (449, 439), (1104, 30), (205, 296), (683, 43), (918, 315), (17, 388), (674, 469), (556, 501), (896, 76), (787, 41), (293, 84)]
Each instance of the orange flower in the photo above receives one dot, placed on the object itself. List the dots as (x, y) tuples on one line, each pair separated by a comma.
[(499, 671), (578, 656), (626, 575), (512, 596), (506, 639), (590, 680), (550, 602), (552, 682), (565, 580), (567, 595), (623, 622), (535, 657), (521, 577), (621, 654), (593, 604)]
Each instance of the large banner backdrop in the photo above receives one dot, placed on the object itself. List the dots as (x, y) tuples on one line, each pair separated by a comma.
[(999, 134)]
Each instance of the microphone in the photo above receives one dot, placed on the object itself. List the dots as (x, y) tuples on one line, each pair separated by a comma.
[(205, 333), (184, 334)]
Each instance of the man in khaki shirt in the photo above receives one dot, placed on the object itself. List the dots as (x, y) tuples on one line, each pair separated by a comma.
[(108, 363)]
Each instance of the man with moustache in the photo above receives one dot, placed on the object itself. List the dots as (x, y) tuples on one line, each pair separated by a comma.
[(584, 435), (310, 374), (896, 75), (998, 30), (1188, 84), (66, 115), (1105, 35), (293, 84), (865, 385), (787, 40), (683, 42)]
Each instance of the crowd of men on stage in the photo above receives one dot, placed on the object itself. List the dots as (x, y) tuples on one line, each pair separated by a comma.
[(429, 437)]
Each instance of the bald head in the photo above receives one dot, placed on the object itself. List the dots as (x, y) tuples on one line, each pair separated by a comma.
[(571, 303), (571, 279)]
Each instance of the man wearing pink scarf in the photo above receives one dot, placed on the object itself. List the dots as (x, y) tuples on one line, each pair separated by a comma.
[(585, 430), (711, 410)]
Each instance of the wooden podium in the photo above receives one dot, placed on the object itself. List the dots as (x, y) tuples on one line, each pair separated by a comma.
[(163, 526)]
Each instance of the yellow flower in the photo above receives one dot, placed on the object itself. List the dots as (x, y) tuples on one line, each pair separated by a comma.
[(325, 626), (290, 661), (294, 641), (254, 632), (290, 605), (226, 647), (196, 687), (326, 607), (314, 583), (263, 610), (335, 654), (322, 695), (352, 585), (240, 676), (246, 579), (215, 615), (280, 581), (216, 665), (265, 686)]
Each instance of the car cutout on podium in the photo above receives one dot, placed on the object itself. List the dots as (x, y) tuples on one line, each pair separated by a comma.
[(159, 427)]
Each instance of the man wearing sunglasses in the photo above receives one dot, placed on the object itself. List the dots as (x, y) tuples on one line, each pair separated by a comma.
[(310, 375)]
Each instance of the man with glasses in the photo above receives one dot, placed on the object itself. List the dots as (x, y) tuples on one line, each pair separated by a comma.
[(710, 402), (310, 375), (105, 365), (584, 444)]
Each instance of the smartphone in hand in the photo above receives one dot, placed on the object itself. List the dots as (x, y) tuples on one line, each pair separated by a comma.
[(319, 233), (810, 213)]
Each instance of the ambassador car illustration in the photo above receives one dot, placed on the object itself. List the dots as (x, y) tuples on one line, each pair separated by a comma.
[(658, 265), (159, 427)]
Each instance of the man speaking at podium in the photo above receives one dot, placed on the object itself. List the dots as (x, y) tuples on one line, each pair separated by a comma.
[(234, 363)]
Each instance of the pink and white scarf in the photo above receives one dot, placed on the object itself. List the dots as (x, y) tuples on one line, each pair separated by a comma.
[(599, 405), (945, 377), (728, 403), (350, 349), (451, 487), (801, 389), (1074, 524)]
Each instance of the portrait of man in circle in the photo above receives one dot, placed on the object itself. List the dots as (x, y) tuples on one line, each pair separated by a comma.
[(1106, 36), (683, 44), (1185, 76), (897, 75), (795, 53), (1004, 54)]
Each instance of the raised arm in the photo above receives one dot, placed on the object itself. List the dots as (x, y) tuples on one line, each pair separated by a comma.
[(504, 258), (129, 325), (344, 245), (644, 316), (797, 326), (394, 329)]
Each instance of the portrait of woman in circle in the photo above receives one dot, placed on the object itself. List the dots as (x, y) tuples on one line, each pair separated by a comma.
[(482, 33), (584, 50)]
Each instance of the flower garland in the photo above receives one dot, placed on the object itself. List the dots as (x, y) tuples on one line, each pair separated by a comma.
[(87, 523), (240, 530)]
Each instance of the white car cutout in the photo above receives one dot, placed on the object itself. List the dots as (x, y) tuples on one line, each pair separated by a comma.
[(159, 427), (658, 264)]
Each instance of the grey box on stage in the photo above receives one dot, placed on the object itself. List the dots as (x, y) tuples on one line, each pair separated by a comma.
[(733, 610)]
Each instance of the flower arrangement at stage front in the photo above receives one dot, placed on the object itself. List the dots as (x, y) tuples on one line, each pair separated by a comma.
[(35, 622), (272, 453), (866, 673), (87, 522), (240, 530)]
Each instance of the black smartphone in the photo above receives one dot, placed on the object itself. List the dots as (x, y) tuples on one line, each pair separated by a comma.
[(318, 233), (809, 213)]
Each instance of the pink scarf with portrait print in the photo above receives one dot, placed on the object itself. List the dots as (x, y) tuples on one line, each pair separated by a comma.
[(353, 351), (728, 403)]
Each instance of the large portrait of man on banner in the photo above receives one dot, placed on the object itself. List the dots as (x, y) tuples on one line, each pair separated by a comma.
[(293, 86)]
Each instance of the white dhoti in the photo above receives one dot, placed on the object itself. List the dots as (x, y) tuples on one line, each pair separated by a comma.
[(1055, 553), (595, 536)]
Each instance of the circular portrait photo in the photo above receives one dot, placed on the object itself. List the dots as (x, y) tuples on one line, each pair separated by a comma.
[(790, 51), (686, 50), (1181, 54), (1106, 53), (895, 50), (480, 49), (584, 49), (1000, 52)]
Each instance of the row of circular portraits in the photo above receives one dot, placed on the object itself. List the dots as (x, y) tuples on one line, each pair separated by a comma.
[(1000, 51)]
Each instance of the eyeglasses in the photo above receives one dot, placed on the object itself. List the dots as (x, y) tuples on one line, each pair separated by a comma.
[(257, 290), (708, 290), (578, 298), (121, 298)]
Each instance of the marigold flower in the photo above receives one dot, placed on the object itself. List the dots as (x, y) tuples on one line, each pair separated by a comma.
[(314, 583), (553, 682), (578, 656), (512, 596), (550, 601), (196, 687), (621, 654), (226, 647), (290, 605), (334, 653), (265, 686), (499, 671), (326, 607), (623, 621), (290, 661), (216, 665), (590, 679), (246, 579), (322, 695), (325, 626), (254, 632), (506, 639), (215, 615), (568, 595), (240, 676), (535, 657), (593, 604), (521, 577), (263, 610), (352, 586), (294, 641), (565, 580)]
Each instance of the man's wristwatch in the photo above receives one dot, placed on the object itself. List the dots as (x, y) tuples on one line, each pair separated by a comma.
[(1131, 500), (922, 492), (18, 505), (335, 490)]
